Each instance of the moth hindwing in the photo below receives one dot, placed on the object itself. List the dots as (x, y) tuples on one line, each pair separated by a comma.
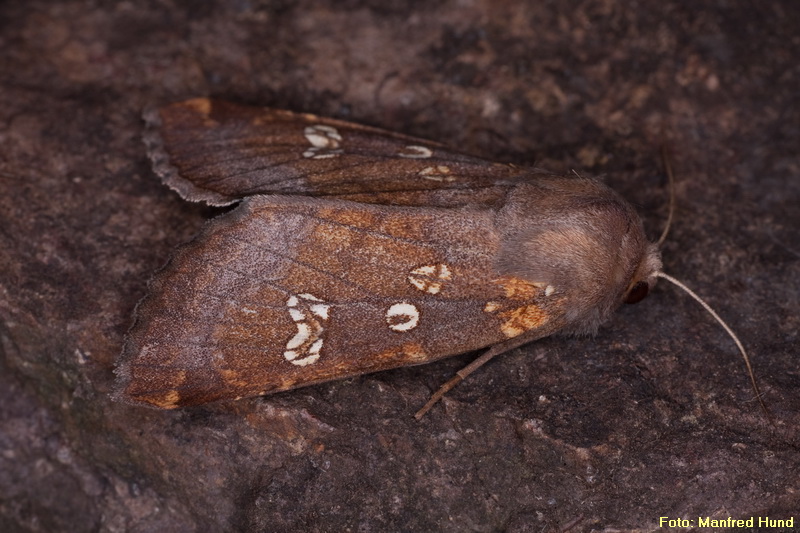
[(288, 290)]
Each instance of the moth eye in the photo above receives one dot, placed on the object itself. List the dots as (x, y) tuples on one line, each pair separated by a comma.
[(637, 292)]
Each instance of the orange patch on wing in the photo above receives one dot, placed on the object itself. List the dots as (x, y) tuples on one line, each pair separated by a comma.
[(522, 319), (201, 106), (233, 378), (403, 226), (517, 288), (198, 109), (167, 400), (414, 352), (411, 352)]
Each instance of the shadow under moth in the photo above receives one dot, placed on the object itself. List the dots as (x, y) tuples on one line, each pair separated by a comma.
[(355, 249)]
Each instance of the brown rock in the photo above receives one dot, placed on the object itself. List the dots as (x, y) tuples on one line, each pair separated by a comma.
[(652, 417)]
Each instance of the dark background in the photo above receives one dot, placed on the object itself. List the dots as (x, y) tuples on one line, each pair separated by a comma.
[(652, 417)]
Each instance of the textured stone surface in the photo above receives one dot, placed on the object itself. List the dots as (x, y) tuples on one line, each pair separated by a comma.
[(652, 417)]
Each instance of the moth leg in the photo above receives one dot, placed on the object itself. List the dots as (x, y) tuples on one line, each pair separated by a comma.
[(455, 380), (495, 350)]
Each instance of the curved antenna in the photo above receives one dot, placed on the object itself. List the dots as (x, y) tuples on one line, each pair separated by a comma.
[(730, 332), (671, 178)]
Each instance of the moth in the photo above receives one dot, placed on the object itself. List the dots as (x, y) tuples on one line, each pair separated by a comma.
[(353, 250)]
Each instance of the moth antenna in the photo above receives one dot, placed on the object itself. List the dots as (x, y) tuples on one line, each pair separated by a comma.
[(671, 179), (730, 332)]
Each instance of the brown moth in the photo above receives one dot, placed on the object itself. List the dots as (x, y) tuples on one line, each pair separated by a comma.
[(355, 250)]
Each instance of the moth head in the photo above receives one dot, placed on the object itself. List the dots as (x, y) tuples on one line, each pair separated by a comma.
[(645, 276)]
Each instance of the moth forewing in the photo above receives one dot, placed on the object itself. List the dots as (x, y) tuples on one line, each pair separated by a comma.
[(287, 291)]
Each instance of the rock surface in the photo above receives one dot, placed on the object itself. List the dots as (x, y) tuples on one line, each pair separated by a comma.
[(653, 417)]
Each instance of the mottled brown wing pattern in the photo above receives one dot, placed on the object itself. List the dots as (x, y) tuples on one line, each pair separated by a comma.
[(219, 152), (288, 291)]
